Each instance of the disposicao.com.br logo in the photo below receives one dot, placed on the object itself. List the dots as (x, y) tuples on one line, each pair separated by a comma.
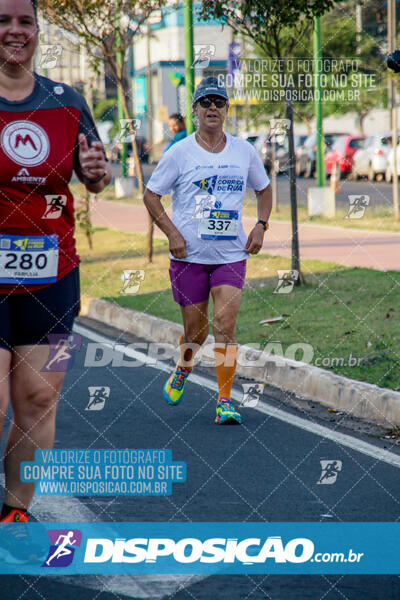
[(192, 550)]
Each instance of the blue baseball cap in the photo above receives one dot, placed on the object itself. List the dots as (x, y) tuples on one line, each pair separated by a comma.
[(209, 86)]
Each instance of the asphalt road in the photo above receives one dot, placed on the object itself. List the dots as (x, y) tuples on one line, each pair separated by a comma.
[(266, 470), (380, 193)]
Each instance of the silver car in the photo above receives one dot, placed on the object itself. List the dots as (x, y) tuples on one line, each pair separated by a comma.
[(263, 145), (371, 159)]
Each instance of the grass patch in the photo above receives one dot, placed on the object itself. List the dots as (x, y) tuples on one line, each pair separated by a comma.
[(349, 316), (377, 219)]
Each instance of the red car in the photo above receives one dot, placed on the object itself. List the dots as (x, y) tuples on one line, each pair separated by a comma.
[(342, 153)]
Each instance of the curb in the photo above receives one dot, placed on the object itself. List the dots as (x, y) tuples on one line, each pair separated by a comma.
[(370, 402)]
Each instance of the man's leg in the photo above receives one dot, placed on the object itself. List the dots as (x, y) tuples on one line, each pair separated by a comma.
[(226, 307), (196, 327), (34, 397)]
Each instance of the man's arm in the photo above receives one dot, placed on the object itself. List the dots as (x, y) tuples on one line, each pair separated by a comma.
[(177, 244), (256, 235)]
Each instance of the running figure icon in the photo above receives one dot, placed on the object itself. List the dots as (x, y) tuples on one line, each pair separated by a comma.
[(62, 353), (330, 471), (62, 542)]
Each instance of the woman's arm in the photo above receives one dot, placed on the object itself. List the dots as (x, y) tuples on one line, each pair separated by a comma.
[(95, 172)]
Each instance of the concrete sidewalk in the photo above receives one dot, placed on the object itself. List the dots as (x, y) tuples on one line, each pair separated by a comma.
[(349, 247)]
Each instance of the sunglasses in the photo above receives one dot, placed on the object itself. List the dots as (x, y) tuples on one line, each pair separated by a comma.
[(206, 102)]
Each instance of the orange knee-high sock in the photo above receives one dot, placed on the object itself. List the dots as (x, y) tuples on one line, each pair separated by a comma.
[(225, 365), (187, 353)]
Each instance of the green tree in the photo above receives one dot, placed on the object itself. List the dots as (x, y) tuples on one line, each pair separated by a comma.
[(340, 38), (276, 28), (363, 75), (107, 29), (106, 110)]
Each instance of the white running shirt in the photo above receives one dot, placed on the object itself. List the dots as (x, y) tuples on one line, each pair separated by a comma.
[(201, 179)]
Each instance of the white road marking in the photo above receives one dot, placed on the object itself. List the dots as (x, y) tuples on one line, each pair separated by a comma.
[(67, 509), (310, 426)]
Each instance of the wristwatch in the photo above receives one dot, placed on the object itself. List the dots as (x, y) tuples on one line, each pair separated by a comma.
[(265, 224), (93, 181)]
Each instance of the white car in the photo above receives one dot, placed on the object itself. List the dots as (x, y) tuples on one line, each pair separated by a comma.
[(390, 164), (371, 159)]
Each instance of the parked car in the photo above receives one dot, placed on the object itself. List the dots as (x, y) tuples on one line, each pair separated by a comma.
[(342, 153), (390, 164), (142, 146), (371, 159), (306, 157), (299, 141), (263, 145)]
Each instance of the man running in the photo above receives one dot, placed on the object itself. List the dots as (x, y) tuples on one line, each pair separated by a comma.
[(208, 173)]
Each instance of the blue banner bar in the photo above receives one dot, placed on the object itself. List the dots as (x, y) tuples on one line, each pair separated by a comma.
[(207, 548)]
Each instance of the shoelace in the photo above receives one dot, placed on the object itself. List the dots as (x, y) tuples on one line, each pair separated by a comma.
[(179, 379)]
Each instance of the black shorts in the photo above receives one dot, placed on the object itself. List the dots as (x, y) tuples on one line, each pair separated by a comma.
[(27, 319)]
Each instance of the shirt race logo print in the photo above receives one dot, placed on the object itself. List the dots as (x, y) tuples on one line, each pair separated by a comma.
[(23, 176), (62, 547), (207, 183), (26, 143)]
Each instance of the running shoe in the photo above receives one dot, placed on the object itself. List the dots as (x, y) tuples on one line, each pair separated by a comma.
[(15, 516), (16, 545), (226, 413), (174, 389)]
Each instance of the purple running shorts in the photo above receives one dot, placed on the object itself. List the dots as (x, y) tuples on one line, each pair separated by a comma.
[(192, 282)]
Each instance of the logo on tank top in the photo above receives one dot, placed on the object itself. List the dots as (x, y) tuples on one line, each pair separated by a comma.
[(26, 143)]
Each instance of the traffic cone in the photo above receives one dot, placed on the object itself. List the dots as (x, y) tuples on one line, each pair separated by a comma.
[(335, 177)]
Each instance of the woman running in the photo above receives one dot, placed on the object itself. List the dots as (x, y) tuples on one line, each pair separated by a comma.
[(46, 132)]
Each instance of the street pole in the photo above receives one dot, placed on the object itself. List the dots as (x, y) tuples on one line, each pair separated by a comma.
[(246, 104), (318, 105), (274, 174), (359, 27), (121, 114), (189, 60), (46, 41), (149, 93), (393, 105)]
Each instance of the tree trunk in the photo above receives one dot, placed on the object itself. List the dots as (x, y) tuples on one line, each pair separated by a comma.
[(360, 124), (292, 188)]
